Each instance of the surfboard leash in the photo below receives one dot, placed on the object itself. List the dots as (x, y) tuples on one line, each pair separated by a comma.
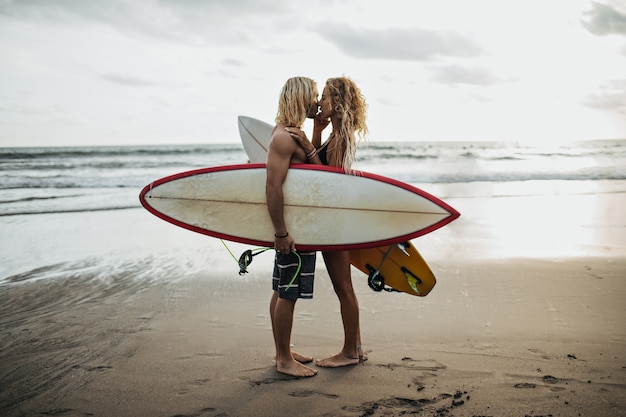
[(246, 259), (297, 270)]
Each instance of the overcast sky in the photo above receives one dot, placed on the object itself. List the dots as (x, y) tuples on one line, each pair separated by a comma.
[(81, 72)]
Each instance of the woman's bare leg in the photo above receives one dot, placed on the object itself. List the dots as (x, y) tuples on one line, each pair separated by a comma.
[(338, 266)]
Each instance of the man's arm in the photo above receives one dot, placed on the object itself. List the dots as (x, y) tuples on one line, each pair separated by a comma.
[(279, 155)]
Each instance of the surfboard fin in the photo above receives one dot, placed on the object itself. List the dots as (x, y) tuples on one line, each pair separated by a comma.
[(412, 279), (403, 247)]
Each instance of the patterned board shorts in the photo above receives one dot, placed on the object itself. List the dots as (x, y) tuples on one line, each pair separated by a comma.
[(285, 268)]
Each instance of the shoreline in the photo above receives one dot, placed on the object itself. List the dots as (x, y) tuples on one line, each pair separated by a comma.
[(560, 223)]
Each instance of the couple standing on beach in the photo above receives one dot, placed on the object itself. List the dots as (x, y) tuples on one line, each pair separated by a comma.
[(343, 106)]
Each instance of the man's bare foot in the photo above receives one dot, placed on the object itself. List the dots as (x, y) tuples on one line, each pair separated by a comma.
[(301, 358), (338, 360), (294, 368)]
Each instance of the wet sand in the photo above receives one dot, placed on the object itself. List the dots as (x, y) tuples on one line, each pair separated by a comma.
[(509, 337)]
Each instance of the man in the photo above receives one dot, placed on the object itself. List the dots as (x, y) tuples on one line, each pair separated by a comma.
[(297, 101)]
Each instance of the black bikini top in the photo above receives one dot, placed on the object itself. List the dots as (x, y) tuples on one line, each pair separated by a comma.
[(321, 152)]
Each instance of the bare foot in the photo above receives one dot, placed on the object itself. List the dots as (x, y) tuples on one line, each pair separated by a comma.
[(362, 356), (294, 368), (301, 358), (338, 360)]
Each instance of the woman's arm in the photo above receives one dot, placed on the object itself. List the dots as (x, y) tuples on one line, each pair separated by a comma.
[(319, 124)]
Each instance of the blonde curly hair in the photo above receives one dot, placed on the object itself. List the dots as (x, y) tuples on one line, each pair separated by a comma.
[(295, 100), (349, 103)]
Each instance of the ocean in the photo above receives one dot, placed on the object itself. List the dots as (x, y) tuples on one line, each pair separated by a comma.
[(86, 198), (74, 179)]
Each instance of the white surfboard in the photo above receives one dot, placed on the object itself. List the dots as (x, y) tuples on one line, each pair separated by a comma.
[(325, 208), (255, 136)]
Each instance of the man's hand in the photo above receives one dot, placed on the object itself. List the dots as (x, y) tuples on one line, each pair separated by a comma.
[(285, 245)]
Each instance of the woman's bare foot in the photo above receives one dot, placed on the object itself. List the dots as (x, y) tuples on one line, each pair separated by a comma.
[(338, 360), (362, 356), (294, 368)]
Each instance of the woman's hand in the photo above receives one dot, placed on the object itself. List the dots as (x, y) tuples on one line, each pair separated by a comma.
[(300, 137), (320, 123)]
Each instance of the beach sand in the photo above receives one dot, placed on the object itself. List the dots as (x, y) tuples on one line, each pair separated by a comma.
[(497, 336)]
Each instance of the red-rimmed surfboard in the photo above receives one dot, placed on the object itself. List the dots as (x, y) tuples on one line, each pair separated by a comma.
[(325, 208), (398, 267)]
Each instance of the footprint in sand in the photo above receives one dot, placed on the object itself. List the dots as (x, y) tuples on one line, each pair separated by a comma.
[(414, 364), (440, 404), (548, 380), (525, 385), (99, 368), (270, 380), (191, 385), (543, 354), (191, 356), (204, 412), (307, 393), (56, 411)]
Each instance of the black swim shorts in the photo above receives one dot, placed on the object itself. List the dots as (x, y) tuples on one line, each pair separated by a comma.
[(286, 282)]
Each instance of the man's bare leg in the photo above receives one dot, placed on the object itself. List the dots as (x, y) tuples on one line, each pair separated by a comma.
[(297, 356), (282, 323)]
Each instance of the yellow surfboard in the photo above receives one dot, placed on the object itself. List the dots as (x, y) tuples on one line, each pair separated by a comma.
[(397, 267)]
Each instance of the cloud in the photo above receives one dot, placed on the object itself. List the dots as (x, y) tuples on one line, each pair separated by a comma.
[(456, 74), (231, 62), (405, 44), (68, 10), (187, 21), (612, 97), (128, 80), (125, 16), (605, 20)]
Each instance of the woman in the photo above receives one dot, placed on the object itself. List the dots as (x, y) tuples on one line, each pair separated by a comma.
[(343, 106)]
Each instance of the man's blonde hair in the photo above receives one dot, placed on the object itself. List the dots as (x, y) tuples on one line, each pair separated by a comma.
[(295, 100)]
